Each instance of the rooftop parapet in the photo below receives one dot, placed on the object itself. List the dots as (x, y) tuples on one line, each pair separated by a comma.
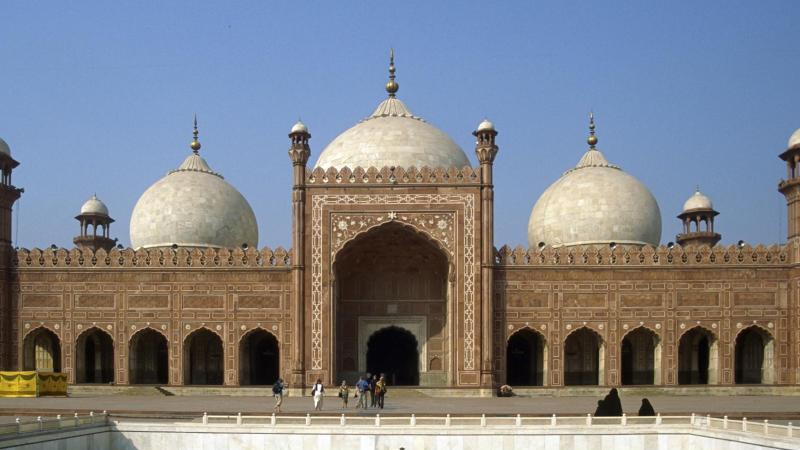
[(394, 176)]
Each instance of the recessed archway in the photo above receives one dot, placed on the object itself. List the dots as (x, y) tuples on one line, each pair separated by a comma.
[(42, 351), (259, 358), (203, 358), (583, 358), (697, 357), (393, 275), (754, 357), (640, 356), (394, 353), (94, 359), (526, 359), (148, 358)]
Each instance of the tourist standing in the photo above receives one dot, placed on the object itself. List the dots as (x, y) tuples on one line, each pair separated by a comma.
[(380, 390), (362, 386), (317, 393), (373, 401), (344, 393), (277, 392)]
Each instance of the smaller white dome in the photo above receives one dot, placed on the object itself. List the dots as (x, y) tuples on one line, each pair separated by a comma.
[(794, 139), (4, 148), (94, 206), (299, 127), (486, 125), (697, 201)]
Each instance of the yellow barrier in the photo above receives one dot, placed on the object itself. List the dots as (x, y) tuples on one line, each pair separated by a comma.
[(32, 384)]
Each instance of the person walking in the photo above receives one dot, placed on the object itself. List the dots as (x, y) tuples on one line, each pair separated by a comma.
[(373, 401), (380, 390), (344, 393), (362, 386), (277, 392), (317, 393)]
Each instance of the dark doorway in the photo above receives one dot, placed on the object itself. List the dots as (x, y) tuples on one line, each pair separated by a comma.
[(392, 351), (749, 357), (258, 358), (42, 351), (638, 357), (694, 355), (525, 359), (203, 358), (95, 357), (582, 358), (148, 358)]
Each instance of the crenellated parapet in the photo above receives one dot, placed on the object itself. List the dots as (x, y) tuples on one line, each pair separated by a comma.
[(153, 258), (394, 175), (663, 256)]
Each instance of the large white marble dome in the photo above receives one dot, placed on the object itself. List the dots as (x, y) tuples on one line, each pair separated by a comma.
[(595, 203), (392, 136), (193, 206)]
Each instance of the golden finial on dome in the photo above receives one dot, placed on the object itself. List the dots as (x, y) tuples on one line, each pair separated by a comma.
[(195, 145), (592, 140), (391, 86)]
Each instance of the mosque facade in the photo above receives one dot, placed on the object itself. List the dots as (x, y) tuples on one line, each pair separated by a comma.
[(393, 269)]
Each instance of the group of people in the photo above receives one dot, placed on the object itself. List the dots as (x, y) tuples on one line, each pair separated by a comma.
[(611, 406), (371, 385)]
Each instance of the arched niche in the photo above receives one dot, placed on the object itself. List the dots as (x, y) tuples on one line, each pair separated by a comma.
[(526, 358), (698, 357), (259, 358), (94, 357), (42, 351), (393, 352), (640, 357), (754, 356), (584, 358), (148, 358), (203, 358)]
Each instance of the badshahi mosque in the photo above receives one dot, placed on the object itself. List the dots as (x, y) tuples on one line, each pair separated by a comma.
[(394, 269)]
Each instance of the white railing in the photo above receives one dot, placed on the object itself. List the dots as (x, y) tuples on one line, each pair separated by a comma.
[(56, 423), (763, 428)]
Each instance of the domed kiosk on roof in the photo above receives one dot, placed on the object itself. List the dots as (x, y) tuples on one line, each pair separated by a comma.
[(595, 203), (392, 136), (193, 206)]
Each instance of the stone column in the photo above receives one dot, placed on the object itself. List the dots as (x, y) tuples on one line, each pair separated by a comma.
[(298, 153), (486, 150)]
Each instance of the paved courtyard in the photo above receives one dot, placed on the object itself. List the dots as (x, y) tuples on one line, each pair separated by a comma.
[(753, 407)]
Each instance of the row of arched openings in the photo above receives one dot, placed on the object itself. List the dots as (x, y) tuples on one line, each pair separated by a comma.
[(640, 358), (203, 357)]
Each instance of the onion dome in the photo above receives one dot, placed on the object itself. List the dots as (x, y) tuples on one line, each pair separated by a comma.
[(392, 136), (193, 206), (4, 148), (697, 201), (94, 206), (485, 125), (299, 127), (794, 139), (595, 203)]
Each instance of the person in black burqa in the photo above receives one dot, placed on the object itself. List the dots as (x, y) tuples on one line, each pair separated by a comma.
[(646, 409), (610, 406)]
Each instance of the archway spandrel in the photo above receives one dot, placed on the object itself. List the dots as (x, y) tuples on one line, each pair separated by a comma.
[(439, 226)]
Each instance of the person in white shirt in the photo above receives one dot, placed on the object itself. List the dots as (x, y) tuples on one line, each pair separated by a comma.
[(317, 393)]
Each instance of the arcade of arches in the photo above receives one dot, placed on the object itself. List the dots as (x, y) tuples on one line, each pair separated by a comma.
[(384, 277)]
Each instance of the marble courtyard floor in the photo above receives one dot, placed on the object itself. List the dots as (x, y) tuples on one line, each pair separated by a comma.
[(752, 407)]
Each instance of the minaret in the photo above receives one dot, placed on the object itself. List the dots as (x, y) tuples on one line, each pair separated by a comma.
[(698, 221), (486, 150), (299, 151), (94, 214), (790, 187), (8, 195)]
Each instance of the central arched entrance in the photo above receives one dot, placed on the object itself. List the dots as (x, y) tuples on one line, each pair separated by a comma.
[(390, 291), (393, 352)]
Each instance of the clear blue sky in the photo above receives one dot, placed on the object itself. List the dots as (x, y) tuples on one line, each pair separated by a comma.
[(99, 97)]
